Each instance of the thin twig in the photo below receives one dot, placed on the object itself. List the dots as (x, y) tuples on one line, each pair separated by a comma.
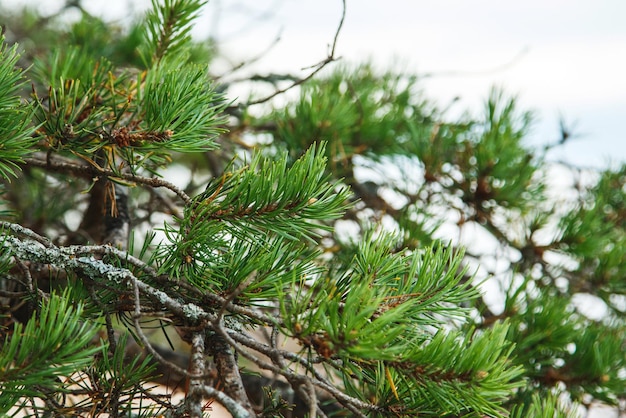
[(94, 171), (457, 73), (350, 402), (229, 403), (107, 319), (250, 61), (309, 395), (146, 343), (311, 398), (240, 288), (317, 67), (28, 233), (26, 272)]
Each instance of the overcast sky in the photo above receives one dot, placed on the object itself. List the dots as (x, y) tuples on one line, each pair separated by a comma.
[(560, 57)]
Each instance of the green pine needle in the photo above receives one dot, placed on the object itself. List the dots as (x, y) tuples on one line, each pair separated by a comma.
[(54, 343), (167, 27), (180, 108), (16, 130)]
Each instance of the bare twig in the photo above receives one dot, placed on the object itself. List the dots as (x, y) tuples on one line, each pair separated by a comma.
[(250, 61), (316, 67), (456, 73), (90, 171), (311, 398), (144, 340), (107, 319), (229, 403), (25, 232), (350, 402), (227, 302), (301, 385), (26, 272)]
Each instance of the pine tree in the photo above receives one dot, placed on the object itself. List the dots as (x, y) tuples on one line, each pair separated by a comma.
[(282, 280)]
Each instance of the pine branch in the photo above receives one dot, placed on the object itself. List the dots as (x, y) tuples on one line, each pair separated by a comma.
[(179, 102), (384, 320), (16, 131), (59, 164), (256, 233), (167, 28), (53, 344), (70, 258), (285, 199)]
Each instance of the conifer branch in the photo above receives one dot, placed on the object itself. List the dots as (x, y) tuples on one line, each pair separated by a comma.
[(228, 370), (197, 368), (57, 164), (167, 28), (16, 130), (383, 311)]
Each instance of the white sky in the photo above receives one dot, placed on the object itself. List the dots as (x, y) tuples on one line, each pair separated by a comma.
[(560, 57)]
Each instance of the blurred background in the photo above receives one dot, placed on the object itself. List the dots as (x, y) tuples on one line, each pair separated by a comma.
[(565, 60)]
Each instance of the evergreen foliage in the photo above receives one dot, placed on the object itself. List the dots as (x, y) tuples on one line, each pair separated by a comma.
[(16, 131), (280, 280)]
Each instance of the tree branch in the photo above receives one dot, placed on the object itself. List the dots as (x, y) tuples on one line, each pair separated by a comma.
[(228, 370), (91, 171), (193, 399), (74, 258), (317, 67), (350, 402)]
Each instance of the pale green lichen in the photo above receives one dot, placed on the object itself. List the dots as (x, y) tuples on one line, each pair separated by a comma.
[(162, 297), (65, 258), (192, 311), (97, 268)]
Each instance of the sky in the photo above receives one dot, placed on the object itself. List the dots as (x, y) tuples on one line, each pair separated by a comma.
[(562, 59)]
